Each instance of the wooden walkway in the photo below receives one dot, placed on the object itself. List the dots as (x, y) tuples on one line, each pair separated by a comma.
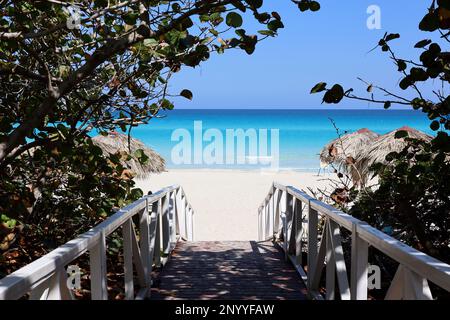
[(241, 270)]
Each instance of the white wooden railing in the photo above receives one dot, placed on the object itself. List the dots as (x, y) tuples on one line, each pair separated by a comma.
[(294, 219), (164, 217)]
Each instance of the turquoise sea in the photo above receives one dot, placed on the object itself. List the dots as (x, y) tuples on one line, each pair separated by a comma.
[(302, 133)]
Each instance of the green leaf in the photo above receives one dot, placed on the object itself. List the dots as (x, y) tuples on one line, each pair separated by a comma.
[(255, 3), (130, 18), (401, 65), (150, 42), (303, 6), (204, 18), (274, 25), (435, 125), (234, 20), (314, 6), (392, 36), (238, 4), (405, 83), (186, 94), (136, 193), (334, 95), (166, 105), (267, 32), (321, 86), (430, 22), (423, 43), (391, 155), (276, 15), (139, 153), (418, 74)]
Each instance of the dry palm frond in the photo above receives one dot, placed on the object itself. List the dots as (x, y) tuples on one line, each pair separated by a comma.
[(377, 151), (115, 143)]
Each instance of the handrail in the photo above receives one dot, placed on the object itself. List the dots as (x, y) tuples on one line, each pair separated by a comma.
[(165, 214), (287, 204)]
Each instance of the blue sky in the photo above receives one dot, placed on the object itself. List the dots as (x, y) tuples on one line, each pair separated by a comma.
[(331, 45)]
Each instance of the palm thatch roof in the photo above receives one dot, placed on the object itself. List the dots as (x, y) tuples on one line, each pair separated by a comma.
[(377, 151), (117, 143), (341, 151)]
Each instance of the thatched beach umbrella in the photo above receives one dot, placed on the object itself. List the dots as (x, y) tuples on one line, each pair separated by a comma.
[(116, 142), (341, 151), (377, 151)]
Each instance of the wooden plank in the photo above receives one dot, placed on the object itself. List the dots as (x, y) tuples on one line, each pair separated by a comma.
[(290, 224), (266, 211), (395, 291), (312, 243), (260, 235), (338, 257), (191, 238), (137, 259), (53, 288), (330, 280), (359, 267), (165, 227), (144, 244), (128, 259), (416, 287), (186, 218), (153, 227), (272, 214), (40, 291), (314, 278), (181, 209), (298, 231), (58, 287), (276, 219), (157, 246), (172, 218), (97, 256)]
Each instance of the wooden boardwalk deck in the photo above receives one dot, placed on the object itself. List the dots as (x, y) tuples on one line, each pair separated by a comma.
[(241, 270)]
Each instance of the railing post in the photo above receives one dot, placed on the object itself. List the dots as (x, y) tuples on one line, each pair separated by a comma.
[(290, 225), (128, 259), (153, 227), (276, 222), (182, 213), (157, 246), (97, 256), (145, 244), (172, 217), (259, 224), (165, 230), (272, 200), (298, 231), (267, 221), (312, 243), (408, 285), (186, 217), (53, 288), (331, 265), (358, 278), (192, 224)]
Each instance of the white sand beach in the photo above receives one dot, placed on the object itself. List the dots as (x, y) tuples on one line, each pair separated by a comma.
[(226, 201)]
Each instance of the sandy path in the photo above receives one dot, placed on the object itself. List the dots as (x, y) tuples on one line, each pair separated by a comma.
[(226, 201)]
